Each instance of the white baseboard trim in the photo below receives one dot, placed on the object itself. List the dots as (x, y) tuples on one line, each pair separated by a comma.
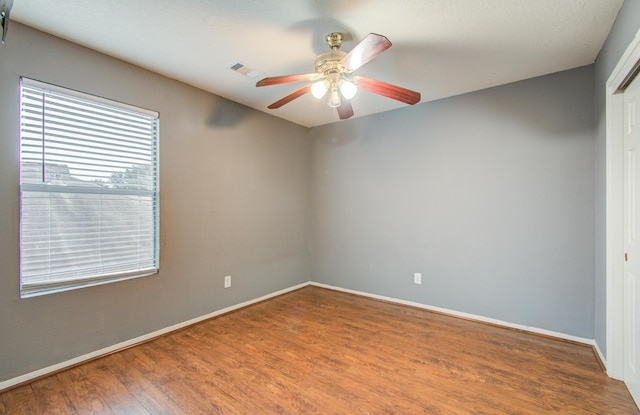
[(123, 345), (535, 330), (600, 355)]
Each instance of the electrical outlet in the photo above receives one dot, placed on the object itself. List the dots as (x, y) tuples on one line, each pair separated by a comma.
[(417, 278), (227, 281)]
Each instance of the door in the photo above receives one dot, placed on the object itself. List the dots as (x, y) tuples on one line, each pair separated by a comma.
[(632, 241)]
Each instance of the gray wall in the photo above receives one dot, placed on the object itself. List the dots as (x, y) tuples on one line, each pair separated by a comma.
[(489, 195), (234, 200), (625, 28)]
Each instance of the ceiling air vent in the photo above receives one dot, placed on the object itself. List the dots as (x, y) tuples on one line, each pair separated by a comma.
[(244, 70)]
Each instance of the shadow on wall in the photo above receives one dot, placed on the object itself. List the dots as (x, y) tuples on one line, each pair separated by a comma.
[(550, 107), (337, 134), (226, 114)]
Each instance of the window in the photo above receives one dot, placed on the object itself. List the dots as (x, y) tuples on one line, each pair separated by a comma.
[(88, 190)]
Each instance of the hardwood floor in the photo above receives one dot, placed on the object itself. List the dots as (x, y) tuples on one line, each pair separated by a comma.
[(316, 351)]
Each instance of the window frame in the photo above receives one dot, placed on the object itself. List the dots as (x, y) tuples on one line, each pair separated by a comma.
[(152, 212)]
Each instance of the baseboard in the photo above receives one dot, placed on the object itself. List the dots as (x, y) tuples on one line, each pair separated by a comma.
[(468, 316), (29, 377), (600, 356)]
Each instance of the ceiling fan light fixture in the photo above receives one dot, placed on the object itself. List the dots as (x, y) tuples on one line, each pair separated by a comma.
[(332, 80), (319, 89), (348, 89)]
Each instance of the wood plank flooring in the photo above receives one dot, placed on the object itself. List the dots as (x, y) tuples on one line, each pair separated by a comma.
[(316, 351)]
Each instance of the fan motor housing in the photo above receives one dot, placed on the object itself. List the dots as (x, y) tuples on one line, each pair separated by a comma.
[(329, 62)]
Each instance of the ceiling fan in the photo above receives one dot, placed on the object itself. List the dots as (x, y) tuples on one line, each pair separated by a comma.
[(333, 78)]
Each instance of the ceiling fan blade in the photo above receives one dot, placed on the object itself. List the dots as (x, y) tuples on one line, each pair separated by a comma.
[(295, 94), (275, 80), (345, 110), (368, 48), (390, 91)]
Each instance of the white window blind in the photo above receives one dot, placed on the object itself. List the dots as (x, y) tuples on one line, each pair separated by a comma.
[(89, 206)]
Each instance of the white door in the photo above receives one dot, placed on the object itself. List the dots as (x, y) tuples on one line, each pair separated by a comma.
[(632, 239)]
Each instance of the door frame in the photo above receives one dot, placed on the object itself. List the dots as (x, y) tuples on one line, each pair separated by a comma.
[(614, 170)]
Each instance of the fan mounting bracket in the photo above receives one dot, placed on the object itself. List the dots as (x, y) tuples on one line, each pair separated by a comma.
[(334, 40)]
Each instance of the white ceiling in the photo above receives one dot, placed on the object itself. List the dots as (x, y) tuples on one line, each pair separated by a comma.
[(440, 48)]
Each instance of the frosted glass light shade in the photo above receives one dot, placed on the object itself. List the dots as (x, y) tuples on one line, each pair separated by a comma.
[(334, 100), (348, 89), (319, 89)]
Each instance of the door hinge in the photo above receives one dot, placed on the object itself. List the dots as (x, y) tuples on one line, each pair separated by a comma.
[(626, 257)]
